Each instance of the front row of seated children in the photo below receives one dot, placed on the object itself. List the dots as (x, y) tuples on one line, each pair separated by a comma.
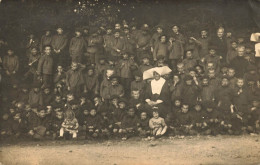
[(119, 120)]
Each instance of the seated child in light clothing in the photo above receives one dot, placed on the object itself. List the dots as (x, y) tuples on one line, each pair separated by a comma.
[(70, 124), (157, 124)]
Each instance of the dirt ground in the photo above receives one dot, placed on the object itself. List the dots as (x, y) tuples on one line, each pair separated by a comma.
[(188, 150)]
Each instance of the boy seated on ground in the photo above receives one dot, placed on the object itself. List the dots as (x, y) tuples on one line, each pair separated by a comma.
[(93, 125), (130, 124), (144, 129)]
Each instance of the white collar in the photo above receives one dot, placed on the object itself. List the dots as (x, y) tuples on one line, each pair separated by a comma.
[(157, 86)]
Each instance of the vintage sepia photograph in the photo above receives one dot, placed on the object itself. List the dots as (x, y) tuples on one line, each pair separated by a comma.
[(129, 82)]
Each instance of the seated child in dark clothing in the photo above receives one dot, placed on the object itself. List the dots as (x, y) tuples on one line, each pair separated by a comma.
[(157, 124), (39, 124), (93, 125), (211, 122), (184, 121), (70, 125), (106, 123), (130, 124), (198, 118), (5, 125), (144, 129), (47, 96), (56, 122), (18, 125)]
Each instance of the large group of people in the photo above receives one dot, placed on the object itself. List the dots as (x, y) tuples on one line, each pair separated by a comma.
[(125, 79)]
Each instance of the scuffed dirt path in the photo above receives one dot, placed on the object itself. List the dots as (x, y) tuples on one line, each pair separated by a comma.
[(190, 150)]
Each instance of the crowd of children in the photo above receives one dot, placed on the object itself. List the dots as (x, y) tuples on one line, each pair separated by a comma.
[(92, 84)]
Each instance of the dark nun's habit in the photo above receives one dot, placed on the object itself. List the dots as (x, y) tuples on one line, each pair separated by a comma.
[(158, 91)]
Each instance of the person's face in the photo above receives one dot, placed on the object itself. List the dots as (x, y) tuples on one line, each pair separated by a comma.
[(59, 30), (131, 112), (177, 103), (70, 97), (47, 50), (205, 82), (146, 61), (212, 52), (86, 112), (57, 98), (78, 33), (255, 103), (159, 30), (74, 106), (156, 76), (49, 109), (192, 73), (83, 99), (220, 33), (180, 68), (211, 73), (176, 78), (17, 116), (25, 90), (126, 31), (209, 109), (188, 54), (198, 69), (136, 94), (175, 29), (31, 36), (163, 39), (27, 108), (74, 66), (121, 105), (234, 45), (90, 72), (47, 33), (47, 91), (137, 78), (109, 31), (203, 33), (143, 116), (197, 107), (229, 34), (117, 34), (117, 26), (188, 82), (125, 56), (10, 52), (185, 108), (224, 82), (231, 73), (102, 61), (114, 81), (57, 109), (93, 112), (34, 51), (224, 70), (240, 40), (115, 101), (11, 110), (240, 52), (59, 115), (240, 83), (96, 100), (5, 117), (36, 89), (42, 114), (210, 66), (59, 68)]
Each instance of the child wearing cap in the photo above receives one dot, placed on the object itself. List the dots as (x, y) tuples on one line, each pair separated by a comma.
[(116, 88), (189, 61), (160, 48), (56, 123), (145, 63), (35, 96)]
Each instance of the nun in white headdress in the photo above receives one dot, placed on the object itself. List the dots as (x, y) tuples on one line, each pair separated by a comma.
[(157, 94)]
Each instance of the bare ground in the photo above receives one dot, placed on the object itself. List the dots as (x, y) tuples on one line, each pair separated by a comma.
[(189, 150)]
